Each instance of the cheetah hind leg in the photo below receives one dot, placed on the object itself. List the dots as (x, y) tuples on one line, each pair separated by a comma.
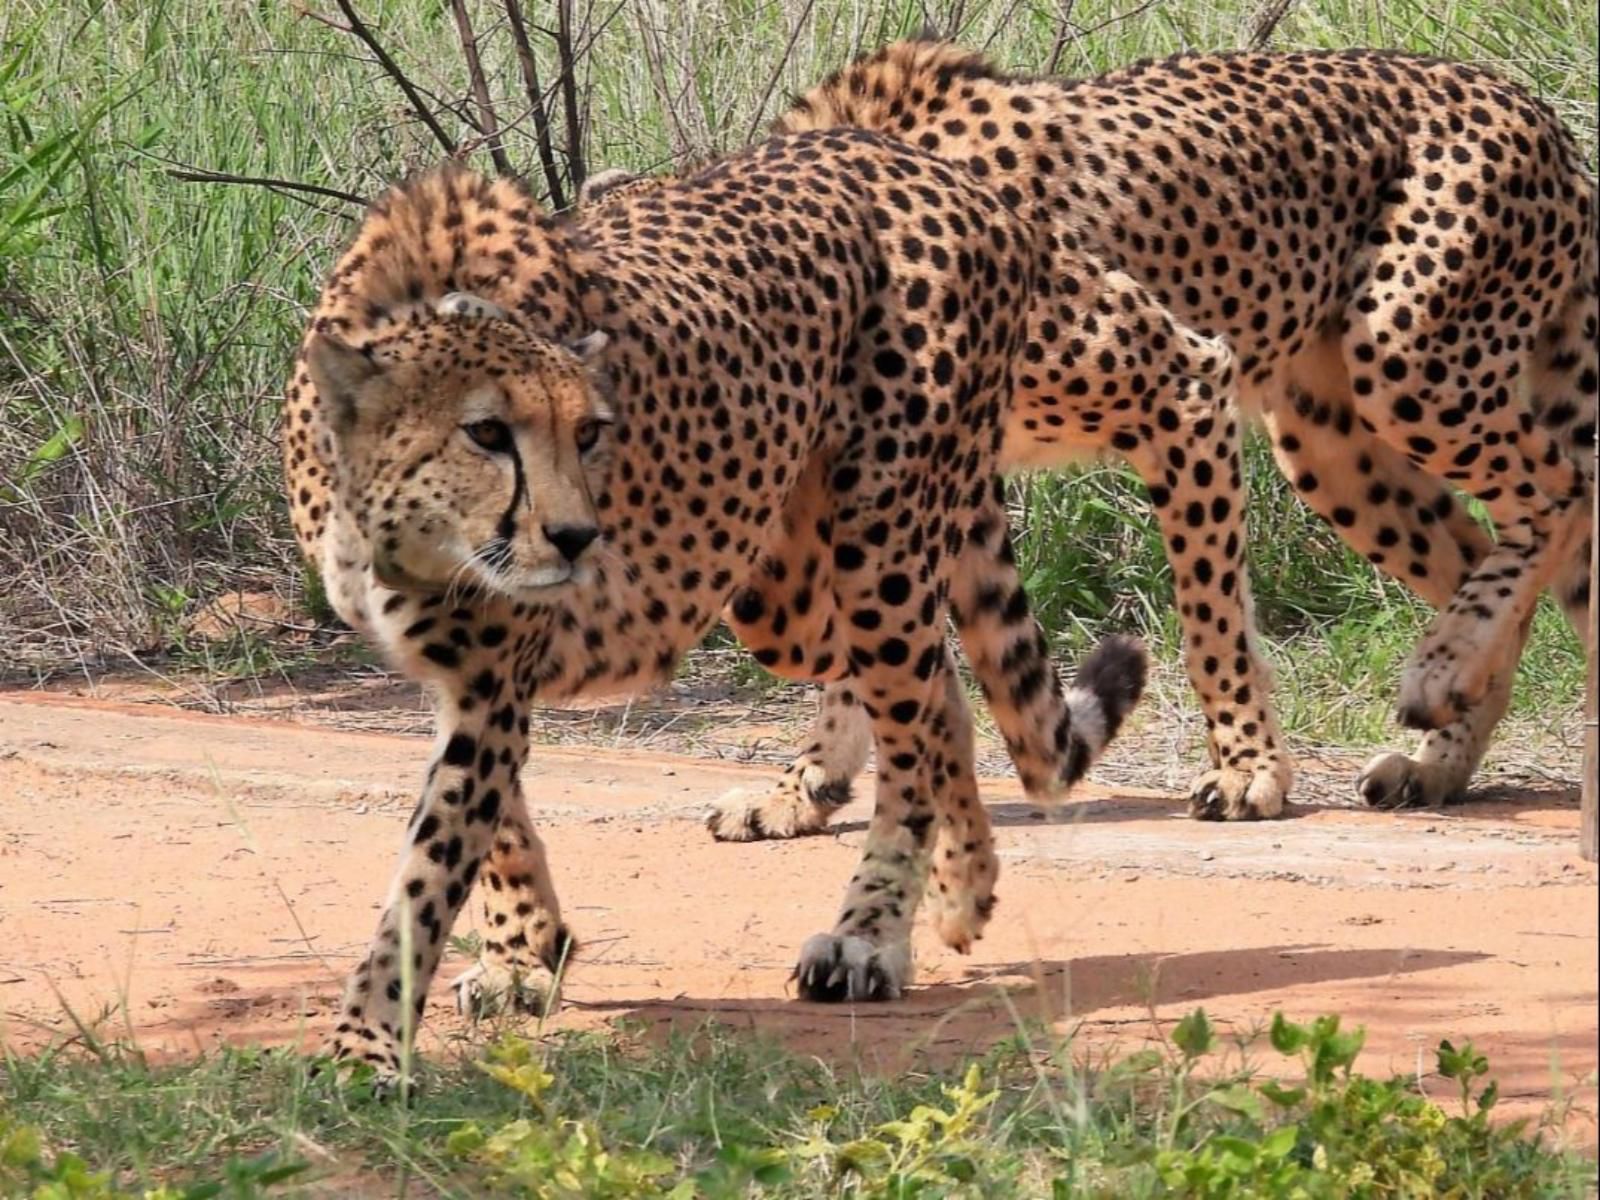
[(1561, 392), (1009, 657), (786, 616), (1444, 763)]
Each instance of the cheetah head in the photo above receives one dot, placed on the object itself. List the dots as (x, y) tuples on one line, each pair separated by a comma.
[(467, 447)]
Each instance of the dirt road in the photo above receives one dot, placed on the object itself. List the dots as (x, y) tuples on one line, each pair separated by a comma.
[(191, 879)]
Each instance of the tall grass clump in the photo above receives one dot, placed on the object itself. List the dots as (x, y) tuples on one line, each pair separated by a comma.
[(147, 319)]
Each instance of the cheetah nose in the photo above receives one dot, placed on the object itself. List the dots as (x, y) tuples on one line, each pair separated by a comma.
[(571, 540)]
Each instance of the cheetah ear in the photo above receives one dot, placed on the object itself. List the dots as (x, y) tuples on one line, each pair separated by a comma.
[(590, 345), (588, 348), (465, 304), (340, 372)]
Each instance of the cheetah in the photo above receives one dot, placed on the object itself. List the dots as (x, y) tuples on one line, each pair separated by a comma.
[(1401, 253), (534, 457)]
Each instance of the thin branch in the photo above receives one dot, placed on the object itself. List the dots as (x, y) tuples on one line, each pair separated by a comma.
[(287, 185), (1137, 10), (1267, 22), (359, 28), (783, 61), (569, 95), (322, 19), (683, 145), (488, 123), (1001, 25), (583, 55), (536, 101), (1063, 33)]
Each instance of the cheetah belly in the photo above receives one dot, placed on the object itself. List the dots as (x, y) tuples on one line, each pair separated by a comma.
[(1032, 443)]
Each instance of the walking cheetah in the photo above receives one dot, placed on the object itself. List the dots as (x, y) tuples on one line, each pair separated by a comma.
[(533, 457), (1402, 253)]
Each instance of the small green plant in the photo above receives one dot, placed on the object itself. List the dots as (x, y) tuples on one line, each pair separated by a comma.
[(27, 1171), (1340, 1134), (929, 1152), (548, 1158)]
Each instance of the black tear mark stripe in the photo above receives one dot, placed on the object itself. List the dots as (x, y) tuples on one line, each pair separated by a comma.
[(507, 527)]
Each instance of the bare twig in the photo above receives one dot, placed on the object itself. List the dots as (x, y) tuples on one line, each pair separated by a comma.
[(569, 95), (536, 101), (392, 69), (1267, 21), (1118, 18), (1063, 32), (322, 19), (1001, 25), (777, 71), (487, 121), (288, 185), (957, 19), (1058, 46), (683, 142)]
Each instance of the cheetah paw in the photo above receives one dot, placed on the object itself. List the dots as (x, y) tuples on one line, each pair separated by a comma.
[(960, 921), (960, 912), (352, 1047), (793, 807), (834, 968), (487, 988), (1229, 794), (1392, 780)]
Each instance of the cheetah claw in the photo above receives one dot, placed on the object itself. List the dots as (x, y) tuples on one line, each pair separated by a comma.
[(834, 968), (1228, 794)]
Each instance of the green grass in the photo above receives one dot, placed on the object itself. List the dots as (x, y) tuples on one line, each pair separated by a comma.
[(146, 323), (1275, 1112)]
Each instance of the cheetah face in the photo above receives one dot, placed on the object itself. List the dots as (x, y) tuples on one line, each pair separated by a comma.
[(467, 449)]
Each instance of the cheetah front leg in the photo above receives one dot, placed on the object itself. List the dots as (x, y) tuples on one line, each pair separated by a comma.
[(867, 953), (472, 776), (901, 678), (525, 942)]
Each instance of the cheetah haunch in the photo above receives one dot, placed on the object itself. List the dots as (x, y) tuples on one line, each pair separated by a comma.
[(1401, 253), (533, 458)]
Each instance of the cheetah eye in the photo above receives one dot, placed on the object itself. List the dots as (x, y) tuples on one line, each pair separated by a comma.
[(589, 433), (492, 436)]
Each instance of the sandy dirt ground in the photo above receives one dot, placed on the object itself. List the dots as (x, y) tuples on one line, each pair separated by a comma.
[(186, 879)]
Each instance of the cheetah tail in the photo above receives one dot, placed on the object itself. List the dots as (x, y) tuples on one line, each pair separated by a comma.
[(1109, 683)]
